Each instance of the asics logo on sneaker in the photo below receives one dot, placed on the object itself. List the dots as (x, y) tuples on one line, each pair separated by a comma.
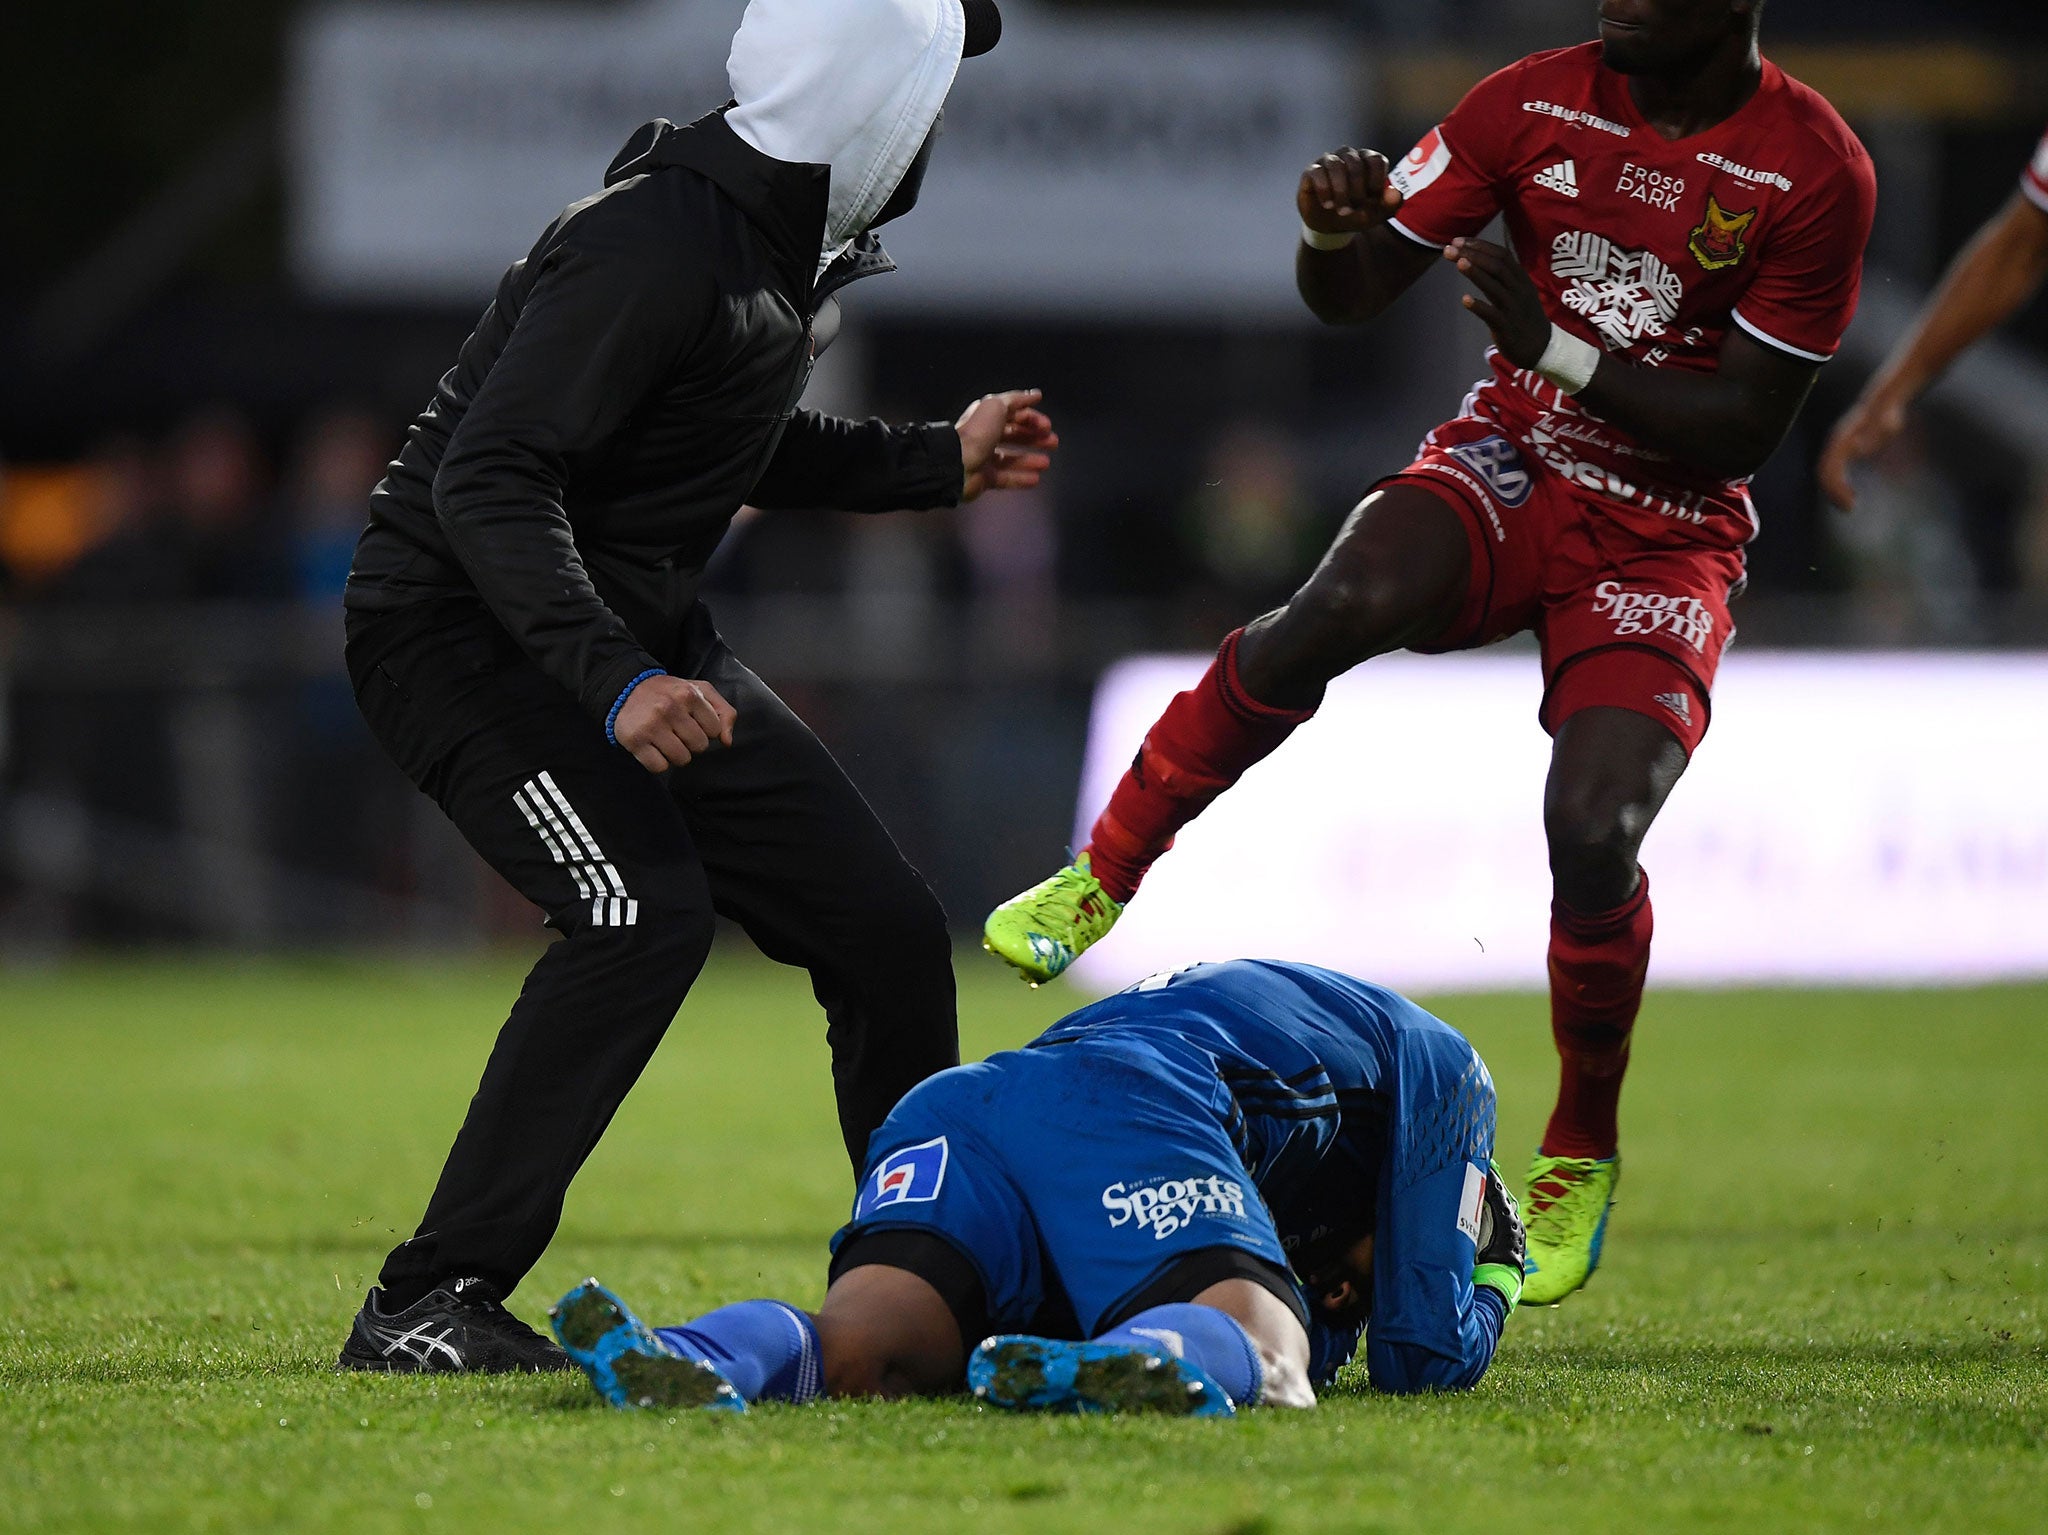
[(1562, 177), (416, 1344)]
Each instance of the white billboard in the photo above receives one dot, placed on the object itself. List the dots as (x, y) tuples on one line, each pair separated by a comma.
[(1874, 817), (1126, 166)]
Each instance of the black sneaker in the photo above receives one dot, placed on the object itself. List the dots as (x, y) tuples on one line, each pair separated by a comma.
[(462, 1326)]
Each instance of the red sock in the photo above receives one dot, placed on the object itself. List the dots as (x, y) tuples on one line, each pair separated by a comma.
[(1597, 964), (1198, 748)]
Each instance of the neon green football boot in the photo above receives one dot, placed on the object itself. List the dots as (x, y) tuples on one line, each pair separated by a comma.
[(1566, 1205), (1048, 927)]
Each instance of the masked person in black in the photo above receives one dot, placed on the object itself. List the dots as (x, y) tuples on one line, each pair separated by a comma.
[(526, 641)]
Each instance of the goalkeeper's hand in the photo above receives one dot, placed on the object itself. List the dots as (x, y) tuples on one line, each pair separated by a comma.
[(1502, 1242), (1331, 1346)]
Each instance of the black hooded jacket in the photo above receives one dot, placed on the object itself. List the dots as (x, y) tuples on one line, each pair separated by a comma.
[(633, 384)]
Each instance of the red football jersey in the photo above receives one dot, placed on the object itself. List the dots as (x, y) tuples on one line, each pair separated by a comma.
[(1650, 248), (2034, 179)]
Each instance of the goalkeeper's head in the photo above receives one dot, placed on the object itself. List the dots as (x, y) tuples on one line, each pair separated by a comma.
[(1331, 1246)]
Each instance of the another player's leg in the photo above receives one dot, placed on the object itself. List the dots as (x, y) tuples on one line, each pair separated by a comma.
[(1397, 575), (796, 856), (1611, 770), (585, 833)]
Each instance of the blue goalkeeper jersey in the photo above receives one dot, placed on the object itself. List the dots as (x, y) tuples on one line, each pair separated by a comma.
[(1333, 1089), (1252, 1104), (1307, 1064)]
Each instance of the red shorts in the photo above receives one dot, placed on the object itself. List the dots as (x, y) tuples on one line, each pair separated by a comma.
[(1625, 622)]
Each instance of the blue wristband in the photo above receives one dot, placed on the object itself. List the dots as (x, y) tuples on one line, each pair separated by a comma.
[(611, 720)]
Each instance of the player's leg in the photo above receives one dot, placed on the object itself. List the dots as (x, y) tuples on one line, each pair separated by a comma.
[(1629, 661), (796, 856), (903, 1298), (590, 837), (890, 1332), (1251, 1314), (1398, 574), (1611, 772), (1195, 1346), (882, 1332)]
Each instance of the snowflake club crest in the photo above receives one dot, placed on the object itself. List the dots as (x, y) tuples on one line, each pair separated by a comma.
[(1626, 295)]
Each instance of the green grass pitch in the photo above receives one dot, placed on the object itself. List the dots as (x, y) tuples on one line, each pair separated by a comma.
[(1823, 1306)]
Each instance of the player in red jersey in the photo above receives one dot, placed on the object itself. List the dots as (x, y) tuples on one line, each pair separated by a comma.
[(1996, 273), (1687, 227)]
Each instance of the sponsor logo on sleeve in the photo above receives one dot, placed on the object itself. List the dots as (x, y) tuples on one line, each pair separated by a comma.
[(1497, 464), (1562, 178), (1164, 1205), (1470, 1201), (1425, 162), (912, 1176), (1679, 704), (1717, 240), (1633, 612)]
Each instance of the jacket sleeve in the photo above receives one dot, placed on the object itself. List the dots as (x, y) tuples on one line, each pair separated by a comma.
[(1404, 1368), (861, 466), (602, 326)]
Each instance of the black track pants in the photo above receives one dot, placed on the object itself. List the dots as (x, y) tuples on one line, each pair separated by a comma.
[(629, 868)]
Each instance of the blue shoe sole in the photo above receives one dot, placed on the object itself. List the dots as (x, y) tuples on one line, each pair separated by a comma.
[(1026, 1374), (627, 1364)]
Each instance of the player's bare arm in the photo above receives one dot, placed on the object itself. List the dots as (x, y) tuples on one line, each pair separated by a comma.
[(1724, 423), (1006, 442), (1346, 196), (1997, 272)]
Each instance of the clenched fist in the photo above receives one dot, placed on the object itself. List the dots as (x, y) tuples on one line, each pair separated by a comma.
[(1345, 191), (666, 721)]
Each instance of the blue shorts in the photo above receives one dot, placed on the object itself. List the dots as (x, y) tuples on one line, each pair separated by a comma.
[(1080, 1169)]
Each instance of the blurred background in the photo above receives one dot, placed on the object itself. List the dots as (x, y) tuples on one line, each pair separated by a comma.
[(242, 238)]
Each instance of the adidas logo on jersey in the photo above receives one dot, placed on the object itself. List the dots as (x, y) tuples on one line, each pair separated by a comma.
[(1678, 703), (1561, 177)]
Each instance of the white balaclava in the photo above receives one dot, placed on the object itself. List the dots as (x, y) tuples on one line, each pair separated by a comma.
[(853, 84)]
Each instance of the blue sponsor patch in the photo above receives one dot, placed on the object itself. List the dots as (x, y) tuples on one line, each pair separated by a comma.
[(911, 1176), (1499, 465)]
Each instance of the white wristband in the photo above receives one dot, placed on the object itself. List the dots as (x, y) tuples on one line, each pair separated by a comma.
[(1317, 240), (1567, 361)]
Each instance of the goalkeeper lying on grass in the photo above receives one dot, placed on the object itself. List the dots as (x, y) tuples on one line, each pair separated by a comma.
[(1220, 1179)]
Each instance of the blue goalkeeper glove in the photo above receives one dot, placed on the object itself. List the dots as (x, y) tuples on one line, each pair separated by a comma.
[(1331, 1345)]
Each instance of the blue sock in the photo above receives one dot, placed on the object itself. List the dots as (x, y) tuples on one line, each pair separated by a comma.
[(1205, 1337), (768, 1351)]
